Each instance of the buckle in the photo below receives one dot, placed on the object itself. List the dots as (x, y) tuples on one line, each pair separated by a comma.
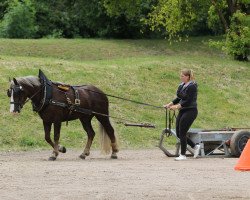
[(77, 101)]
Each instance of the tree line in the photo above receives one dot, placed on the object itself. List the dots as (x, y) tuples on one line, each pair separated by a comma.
[(172, 19)]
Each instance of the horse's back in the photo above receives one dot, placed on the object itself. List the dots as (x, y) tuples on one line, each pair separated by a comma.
[(96, 98)]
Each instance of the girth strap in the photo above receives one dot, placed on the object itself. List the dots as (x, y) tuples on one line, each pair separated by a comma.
[(57, 103)]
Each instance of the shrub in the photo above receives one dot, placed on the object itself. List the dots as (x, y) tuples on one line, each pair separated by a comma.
[(238, 37), (19, 21)]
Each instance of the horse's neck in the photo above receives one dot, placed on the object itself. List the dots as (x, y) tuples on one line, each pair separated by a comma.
[(35, 93)]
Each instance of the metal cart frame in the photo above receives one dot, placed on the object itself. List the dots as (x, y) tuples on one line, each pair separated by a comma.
[(226, 142)]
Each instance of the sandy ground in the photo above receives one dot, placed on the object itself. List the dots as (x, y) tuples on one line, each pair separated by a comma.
[(137, 174)]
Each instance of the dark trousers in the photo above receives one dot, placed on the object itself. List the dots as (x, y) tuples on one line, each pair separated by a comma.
[(184, 121)]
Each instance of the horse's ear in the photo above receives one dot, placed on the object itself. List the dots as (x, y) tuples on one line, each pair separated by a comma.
[(9, 79), (15, 81), (40, 73)]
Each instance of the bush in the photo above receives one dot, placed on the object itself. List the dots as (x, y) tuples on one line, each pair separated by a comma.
[(237, 42), (19, 21), (213, 21), (238, 37)]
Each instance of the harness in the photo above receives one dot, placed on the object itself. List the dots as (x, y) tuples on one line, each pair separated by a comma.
[(47, 93), (72, 107), (48, 100)]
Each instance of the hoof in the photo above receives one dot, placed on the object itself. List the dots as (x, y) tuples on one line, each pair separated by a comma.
[(87, 153), (82, 156), (62, 149), (52, 158), (114, 156)]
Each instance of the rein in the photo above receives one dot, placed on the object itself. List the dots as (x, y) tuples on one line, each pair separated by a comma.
[(33, 96), (90, 112), (122, 98), (76, 108), (169, 121), (125, 99)]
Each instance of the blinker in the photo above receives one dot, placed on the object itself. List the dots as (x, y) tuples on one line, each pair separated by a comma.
[(17, 89)]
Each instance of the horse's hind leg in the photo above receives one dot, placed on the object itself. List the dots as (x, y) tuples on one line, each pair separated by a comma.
[(86, 123), (110, 132)]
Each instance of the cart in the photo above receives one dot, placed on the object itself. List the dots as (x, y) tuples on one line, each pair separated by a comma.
[(226, 142)]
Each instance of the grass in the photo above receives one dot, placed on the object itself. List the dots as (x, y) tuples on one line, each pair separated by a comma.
[(142, 70)]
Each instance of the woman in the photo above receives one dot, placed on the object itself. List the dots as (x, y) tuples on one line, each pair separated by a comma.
[(186, 103)]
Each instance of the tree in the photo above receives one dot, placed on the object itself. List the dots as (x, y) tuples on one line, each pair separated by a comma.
[(19, 21), (83, 18), (132, 13), (159, 14), (128, 8), (177, 16), (238, 37), (184, 17), (3, 7)]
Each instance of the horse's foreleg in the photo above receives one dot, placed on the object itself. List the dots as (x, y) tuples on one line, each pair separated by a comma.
[(57, 128), (91, 134), (47, 129)]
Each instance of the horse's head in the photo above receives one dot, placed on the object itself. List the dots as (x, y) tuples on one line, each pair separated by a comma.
[(17, 96)]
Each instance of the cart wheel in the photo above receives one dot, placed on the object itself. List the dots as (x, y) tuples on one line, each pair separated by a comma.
[(238, 142)]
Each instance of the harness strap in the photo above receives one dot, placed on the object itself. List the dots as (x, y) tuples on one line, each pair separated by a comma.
[(77, 98), (57, 103), (74, 107), (14, 102), (47, 92), (71, 107), (169, 121)]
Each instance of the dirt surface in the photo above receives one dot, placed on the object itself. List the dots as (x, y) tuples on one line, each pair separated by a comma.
[(137, 174)]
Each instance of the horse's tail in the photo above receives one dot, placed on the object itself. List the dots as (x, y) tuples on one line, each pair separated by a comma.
[(105, 141)]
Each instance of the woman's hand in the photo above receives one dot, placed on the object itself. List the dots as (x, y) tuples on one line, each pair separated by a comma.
[(175, 107), (168, 105)]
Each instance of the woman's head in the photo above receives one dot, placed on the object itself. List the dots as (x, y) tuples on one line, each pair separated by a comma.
[(187, 75)]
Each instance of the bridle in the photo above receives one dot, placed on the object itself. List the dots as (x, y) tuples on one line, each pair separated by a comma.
[(17, 90)]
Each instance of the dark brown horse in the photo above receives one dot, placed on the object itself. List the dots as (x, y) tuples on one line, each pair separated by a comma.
[(57, 103)]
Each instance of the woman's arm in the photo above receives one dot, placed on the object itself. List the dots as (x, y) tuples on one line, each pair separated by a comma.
[(176, 100)]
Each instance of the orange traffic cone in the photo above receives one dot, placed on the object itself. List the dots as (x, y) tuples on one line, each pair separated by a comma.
[(244, 161)]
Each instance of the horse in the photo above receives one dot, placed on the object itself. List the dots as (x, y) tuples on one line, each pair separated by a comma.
[(56, 102)]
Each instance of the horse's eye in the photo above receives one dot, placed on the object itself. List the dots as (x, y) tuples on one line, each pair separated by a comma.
[(8, 93)]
